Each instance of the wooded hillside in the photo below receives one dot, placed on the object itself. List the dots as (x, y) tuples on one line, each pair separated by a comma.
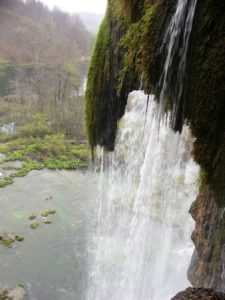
[(30, 32), (44, 56)]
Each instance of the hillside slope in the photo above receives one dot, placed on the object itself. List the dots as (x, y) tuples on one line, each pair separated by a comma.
[(57, 38)]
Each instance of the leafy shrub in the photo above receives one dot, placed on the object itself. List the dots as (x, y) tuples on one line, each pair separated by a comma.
[(35, 130)]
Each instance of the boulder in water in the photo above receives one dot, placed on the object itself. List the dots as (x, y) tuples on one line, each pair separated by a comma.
[(199, 294), (7, 239), (17, 293)]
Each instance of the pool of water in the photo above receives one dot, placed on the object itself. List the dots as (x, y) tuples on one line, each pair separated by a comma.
[(52, 260)]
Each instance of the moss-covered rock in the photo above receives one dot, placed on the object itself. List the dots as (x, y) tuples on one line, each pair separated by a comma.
[(32, 217), (45, 213), (8, 239), (205, 99), (104, 105), (16, 293), (128, 48), (199, 294), (34, 225)]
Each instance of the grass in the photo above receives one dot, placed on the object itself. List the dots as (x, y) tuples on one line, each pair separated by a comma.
[(35, 153)]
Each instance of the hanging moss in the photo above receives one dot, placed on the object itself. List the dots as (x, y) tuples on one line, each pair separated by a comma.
[(129, 45), (205, 96), (104, 106), (98, 83), (123, 52)]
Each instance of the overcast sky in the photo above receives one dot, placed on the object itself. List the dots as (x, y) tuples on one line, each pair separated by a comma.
[(95, 6)]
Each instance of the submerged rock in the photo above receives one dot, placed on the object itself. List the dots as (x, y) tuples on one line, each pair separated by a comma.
[(7, 239), (47, 222), (199, 294), (19, 238), (17, 293), (32, 217), (34, 225), (45, 213)]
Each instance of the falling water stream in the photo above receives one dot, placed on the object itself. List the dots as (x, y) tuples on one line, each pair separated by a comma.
[(141, 245)]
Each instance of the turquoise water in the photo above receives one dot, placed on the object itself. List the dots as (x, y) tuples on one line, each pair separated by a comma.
[(52, 260)]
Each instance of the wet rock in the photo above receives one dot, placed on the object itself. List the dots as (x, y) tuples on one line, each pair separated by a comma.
[(47, 222), (34, 225), (48, 212), (7, 239), (32, 217), (199, 294), (17, 293), (19, 238)]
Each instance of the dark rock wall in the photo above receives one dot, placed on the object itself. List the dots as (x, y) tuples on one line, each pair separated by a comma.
[(199, 294)]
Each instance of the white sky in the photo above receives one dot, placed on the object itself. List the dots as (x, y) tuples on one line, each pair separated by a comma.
[(94, 6)]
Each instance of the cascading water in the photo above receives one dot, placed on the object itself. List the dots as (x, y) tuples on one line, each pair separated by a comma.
[(176, 41), (142, 247)]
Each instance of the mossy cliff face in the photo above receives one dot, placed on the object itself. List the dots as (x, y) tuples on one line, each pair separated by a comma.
[(206, 268), (104, 106), (129, 49), (125, 51), (205, 110)]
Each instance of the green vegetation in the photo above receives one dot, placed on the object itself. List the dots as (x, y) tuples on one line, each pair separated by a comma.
[(32, 24), (52, 152), (32, 217), (98, 81), (126, 50), (133, 31), (48, 212), (34, 225), (206, 94), (47, 222), (19, 238)]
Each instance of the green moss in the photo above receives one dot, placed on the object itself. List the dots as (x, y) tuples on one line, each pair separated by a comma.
[(27, 167), (32, 217), (205, 103), (52, 152), (8, 168), (45, 213), (137, 49), (47, 222), (19, 238), (34, 225), (98, 80), (6, 181), (127, 45)]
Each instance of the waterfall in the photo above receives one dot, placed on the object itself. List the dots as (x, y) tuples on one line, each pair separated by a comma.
[(141, 245), (175, 45)]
